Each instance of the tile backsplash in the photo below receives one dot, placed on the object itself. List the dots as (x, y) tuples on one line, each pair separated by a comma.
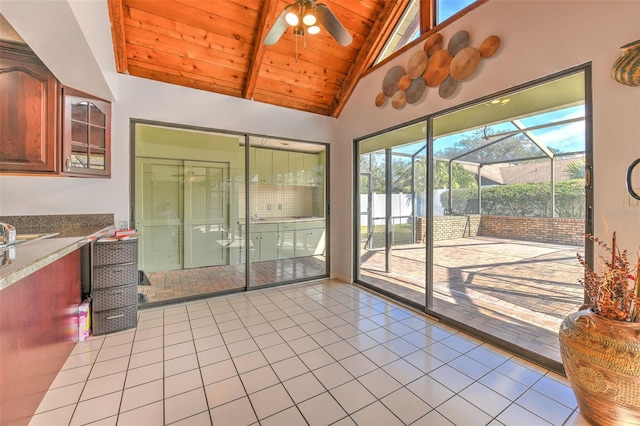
[(270, 201)]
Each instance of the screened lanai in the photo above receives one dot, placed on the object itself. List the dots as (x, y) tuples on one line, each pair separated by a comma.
[(488, 234)]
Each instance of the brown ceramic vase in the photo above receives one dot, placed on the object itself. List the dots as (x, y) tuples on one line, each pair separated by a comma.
[(626, 69), (602, 360)]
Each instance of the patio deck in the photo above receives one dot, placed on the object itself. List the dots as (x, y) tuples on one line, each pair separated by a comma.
[(518, 291)]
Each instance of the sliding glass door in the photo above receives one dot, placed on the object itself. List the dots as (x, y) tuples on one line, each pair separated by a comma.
[(391, 206), (204, 230), (481, 225), (287, 211)]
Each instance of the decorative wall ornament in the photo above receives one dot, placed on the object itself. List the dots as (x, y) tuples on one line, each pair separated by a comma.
[(434, 66), (626, 69)]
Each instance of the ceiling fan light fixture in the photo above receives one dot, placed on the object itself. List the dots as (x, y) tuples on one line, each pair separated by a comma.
[(314, 29), (292, 18), (309, 17)]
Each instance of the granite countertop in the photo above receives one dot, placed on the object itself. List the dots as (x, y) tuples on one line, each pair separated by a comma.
[(26, 258)]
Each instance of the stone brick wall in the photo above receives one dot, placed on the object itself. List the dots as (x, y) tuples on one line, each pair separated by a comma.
[(541, 229), (448, 227)]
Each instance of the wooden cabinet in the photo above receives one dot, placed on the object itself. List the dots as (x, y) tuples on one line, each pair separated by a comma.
[(46, 128), (86, 135), (28, 112), (38, 325)]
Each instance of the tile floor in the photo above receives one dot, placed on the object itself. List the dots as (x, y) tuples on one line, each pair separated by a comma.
[(315, 353)]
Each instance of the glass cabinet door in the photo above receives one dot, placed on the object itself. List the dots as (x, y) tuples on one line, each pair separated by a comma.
[(86, 130)]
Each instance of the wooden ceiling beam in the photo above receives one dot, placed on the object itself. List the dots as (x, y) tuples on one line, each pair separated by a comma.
[(380, 31), (427, 15), (267, 19), (116, 16)]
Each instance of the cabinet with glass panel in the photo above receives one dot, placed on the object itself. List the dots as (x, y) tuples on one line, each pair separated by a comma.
[(86, 135)]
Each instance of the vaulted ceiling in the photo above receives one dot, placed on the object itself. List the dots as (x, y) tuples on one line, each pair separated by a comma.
[(217, 45)]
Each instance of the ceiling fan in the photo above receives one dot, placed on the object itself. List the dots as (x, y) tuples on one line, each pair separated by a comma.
[(306, 15)]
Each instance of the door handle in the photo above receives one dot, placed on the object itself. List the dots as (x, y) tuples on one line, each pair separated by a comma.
[(633, 193)]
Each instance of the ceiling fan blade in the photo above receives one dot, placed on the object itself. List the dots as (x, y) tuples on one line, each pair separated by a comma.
[(278, 28), (331, 23)]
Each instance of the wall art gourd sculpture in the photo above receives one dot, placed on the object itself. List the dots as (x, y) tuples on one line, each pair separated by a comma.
[(626, 69), (435, 66)]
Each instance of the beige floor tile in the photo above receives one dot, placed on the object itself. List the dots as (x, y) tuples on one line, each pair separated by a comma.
[(148, 415), (185, 405), (237, 413), (96, 409), (144, 394), (60, 397), (103, 385)]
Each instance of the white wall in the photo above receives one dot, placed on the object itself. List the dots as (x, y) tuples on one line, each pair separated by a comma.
[(539, 38)]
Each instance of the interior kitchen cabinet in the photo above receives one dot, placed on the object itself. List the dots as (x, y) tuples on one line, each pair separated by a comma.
[(313, 173), (296, 168), (28, 112), (264, 242), (309, 238), (286, 240), (86, 135), (261, 165), (280, 167)]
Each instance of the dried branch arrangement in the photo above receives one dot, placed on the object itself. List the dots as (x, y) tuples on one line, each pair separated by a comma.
[(615, 292)]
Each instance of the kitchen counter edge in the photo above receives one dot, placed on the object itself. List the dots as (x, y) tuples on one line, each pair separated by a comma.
[(35, 255)]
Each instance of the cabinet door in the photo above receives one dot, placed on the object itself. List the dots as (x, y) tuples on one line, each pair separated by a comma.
[(262, 163), (286, 240), (296, 168), (28, 114), (86, 141), (313, 170), (310, 238), (280, 167), (268, 246)]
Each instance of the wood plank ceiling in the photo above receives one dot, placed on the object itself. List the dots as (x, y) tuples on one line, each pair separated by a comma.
[(216, 45)]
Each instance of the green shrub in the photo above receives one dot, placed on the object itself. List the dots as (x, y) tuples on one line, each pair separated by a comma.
[(524, 199)]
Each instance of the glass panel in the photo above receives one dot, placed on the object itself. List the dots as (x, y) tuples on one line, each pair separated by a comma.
[(97, 160), (97, 136), (79, 156), (79, 111), (194, 209), (206, 214), (79, 132), (447, 8), (508, 214), (287, 210), (407, 29), (96, 117), (392, 218)]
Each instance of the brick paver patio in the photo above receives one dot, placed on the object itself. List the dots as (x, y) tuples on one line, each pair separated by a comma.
[(518, 291)]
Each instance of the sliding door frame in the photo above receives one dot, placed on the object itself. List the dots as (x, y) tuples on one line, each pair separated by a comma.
[(427, 308)]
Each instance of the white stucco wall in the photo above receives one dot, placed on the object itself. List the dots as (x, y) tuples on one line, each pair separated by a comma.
[(538, 38)]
